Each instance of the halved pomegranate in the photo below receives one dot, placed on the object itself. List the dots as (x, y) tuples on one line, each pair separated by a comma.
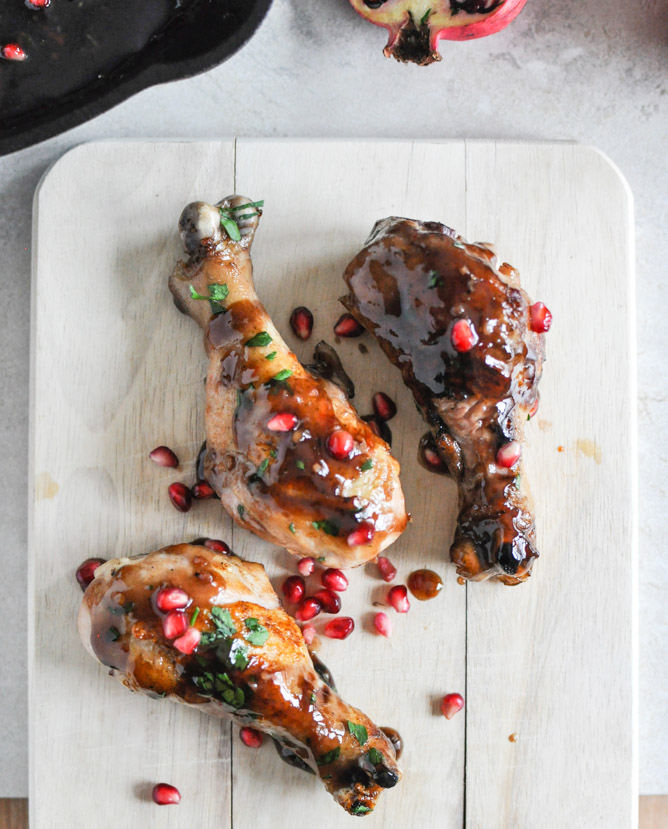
[(416, 26)]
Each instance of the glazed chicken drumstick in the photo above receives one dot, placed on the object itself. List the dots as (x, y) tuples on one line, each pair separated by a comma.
[(287, 455), (207, 630), (470, 347)]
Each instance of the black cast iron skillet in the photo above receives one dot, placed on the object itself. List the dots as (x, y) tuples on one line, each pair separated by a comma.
[(86, 56)]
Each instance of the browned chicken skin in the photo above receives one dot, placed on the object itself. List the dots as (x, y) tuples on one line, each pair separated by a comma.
[(251, 663), (285, 486), (409, 286)]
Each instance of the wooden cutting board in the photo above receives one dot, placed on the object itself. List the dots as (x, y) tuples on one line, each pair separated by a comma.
[(547, 738)]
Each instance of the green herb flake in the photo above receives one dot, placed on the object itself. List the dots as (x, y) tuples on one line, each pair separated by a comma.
[(328, 527), (222, 619), (425, 17), (241, 509), (330, 757), (313, 697), (259, 340), (292, 528), (359, 732), (375, 756), (262, 468), (282, 375), (113, 634), (194, 616), (270, 356), (258, 633), (230, 227), (234, 653), (457, 245), (273, 453), (528, 417), (217, 295), (359, 809), (320, 558), (300, 465), (435, 279), (367, 465)]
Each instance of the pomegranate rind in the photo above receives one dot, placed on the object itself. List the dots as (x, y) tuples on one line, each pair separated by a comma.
[(415, 27)]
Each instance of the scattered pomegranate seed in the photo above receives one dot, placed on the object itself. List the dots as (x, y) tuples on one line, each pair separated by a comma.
[(398, 598), (163, 456), (541, 318), (307, 609), (38, 4), (347, 326), (362, 535), (306, 565), (166, 795), (334, 580), (340, 628), (218, 546), (384, 407), (308, 632), (340, 444), (329, 600), (301, 322), (509, 454), (251, 737), (171, 598), (282, 422), (86, 571), (180, 496), (189, 641), (432, 460), (294, 588), (175, 624), (388, 571), (12, 51), (379, 428), (463, 336), (383, 624), (451, 704), (534, 406), (202, 490)]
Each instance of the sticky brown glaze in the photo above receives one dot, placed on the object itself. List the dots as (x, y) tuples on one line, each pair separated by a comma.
[(409, 286), (284, 486), (278, 691)]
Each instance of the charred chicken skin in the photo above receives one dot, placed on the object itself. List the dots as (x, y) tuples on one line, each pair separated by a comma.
[(207, 630), (459, 327), (287, 454)]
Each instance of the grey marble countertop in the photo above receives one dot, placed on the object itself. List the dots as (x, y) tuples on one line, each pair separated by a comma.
[(568, 69)]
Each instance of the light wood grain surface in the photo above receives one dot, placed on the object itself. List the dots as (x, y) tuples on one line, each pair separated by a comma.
[(116, 371)]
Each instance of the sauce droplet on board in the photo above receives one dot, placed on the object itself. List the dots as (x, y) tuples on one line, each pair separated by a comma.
[(425, 584), (512, 738)]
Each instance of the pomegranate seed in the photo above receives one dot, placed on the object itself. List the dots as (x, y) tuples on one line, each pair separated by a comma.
[(294, 588), (329, 600), (541, 318), (347, 326), (432, 458), (307, 609), (308, 632), (202, 490), (398, 598), (463, 336), (282, 422), (180, 496), (301, 322), (163, 456), (12, 51), (340, 628), (509, 454), (340, 444), (166, 795), (379, 428), (189, 641), (306, 565), (362, 535), (171, 598), (251, 737), (388, 571), (534, 406), (334, 580), (38, 4), (86, 571), (383, 624), (175, 624), (384, 407), (218, 546), (451, 704)]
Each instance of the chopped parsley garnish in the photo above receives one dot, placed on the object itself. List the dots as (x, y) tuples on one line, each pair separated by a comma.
[(282, 375), (194, 616), (330, 757), (359, 732), (328, 527), (273, 453), (292, 528), (241, 509), (359, 809), (217, 295), (258, 634), (220, 685), (259, 340), (222, 619), (262, 468), (528, 417), (320, 558), (270, 356), (229, 218), (434, 279), (375, 756), (423, 20), (234, 653), (300, 465), (367, 465), (113, 634), (313, 698)]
